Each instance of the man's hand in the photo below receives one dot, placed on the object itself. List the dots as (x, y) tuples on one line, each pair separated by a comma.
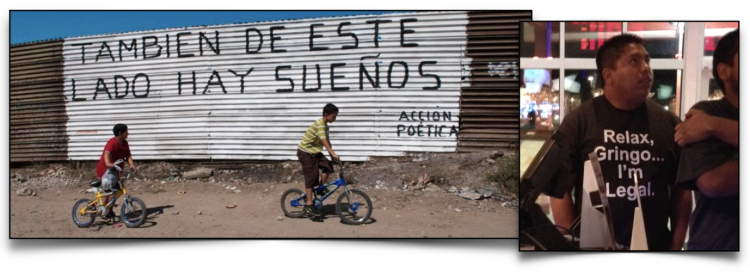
[(109, 164), (335, 157), (697, 127), (133, 167)]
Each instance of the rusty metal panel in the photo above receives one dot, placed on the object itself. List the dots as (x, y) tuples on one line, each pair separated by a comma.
[(257, 86), (489, 105), (37, 105)]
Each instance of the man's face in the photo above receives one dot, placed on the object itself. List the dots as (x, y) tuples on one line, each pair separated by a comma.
[(632, 76), (124, 135), (331, 117), (735, 75), (730, 75)]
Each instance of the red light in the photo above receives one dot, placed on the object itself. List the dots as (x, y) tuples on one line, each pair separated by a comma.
[(709, 44)]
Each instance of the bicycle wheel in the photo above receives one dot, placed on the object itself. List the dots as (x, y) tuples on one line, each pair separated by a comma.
[(81, 219), (355, 210), (133, 212), (292, 203)]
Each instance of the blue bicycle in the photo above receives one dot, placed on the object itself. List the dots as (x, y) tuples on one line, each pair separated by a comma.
[(353, 206)]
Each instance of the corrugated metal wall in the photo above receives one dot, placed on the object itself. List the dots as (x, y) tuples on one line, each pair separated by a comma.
[(489, 106), (37, 106), (403, 82)]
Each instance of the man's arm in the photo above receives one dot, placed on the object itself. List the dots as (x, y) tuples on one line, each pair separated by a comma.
[(721, 181), (682, 205), (563, 211), (699, 126)]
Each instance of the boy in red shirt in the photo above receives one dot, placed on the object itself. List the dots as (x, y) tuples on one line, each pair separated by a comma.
[(117, 148)]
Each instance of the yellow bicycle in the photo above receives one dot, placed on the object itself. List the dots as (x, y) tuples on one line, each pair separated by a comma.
[(132, 212)]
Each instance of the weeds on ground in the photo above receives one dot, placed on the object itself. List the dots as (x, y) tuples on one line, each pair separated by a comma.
[(507, 173)]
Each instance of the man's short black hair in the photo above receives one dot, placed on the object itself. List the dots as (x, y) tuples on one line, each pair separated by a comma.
[(610, 51), (725, 50), (119, 129), (330, 108)]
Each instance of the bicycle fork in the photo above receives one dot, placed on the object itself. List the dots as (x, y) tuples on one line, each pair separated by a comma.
[(352, 206)]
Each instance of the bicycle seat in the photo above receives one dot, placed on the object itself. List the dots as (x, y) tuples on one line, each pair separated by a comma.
[(95, 183)]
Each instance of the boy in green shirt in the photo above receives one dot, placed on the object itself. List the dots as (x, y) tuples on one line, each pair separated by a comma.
[(309, 152)]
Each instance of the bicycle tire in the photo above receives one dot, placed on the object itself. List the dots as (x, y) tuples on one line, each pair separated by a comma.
[(128, 208), (287, 211), (76, 209), (355, 219)]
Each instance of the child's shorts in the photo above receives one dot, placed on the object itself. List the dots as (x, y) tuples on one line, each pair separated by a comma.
[(310, 166)]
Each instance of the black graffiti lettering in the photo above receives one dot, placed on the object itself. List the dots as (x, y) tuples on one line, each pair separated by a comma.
[(73, 80), (247, 41), (454, 131), (83, 50), (356, 40), (403, 116), (210, 82), (127, 87), (411, 131), (377, 29), (202, 37), (406, 74), (407, 31), (273, 38), (101, 87), (180, 44), (283, 78), (420, 129), (180, 83), (242, 78), (362, 70), (148, 85), (447, 116), (168, 46), (399, 129), (304, 79), (437, 78), (313, 36), (333, 77), (425, 116), (133, 46), (145, 45), (109, 52)]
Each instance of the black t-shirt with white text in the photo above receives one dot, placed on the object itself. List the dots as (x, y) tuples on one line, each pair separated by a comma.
[(628, 144)]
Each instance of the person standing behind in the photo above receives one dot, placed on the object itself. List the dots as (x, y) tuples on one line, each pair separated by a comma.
[(632, 137), (710, 159)]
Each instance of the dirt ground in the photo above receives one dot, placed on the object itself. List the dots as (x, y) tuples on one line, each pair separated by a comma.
[(255, 188)]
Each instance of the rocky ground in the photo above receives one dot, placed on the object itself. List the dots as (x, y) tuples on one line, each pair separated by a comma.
[(419, 195)]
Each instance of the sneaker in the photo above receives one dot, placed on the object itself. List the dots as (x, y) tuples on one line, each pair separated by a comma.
[(111, 216), (311, 210)]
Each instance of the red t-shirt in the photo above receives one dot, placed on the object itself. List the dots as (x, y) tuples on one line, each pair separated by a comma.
[(117, 151)]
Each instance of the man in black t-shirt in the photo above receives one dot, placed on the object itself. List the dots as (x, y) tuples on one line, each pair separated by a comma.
[(632, 137), (710, 158)]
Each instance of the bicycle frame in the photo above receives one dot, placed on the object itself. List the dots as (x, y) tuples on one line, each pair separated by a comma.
[(97, 202), (339, 183)]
